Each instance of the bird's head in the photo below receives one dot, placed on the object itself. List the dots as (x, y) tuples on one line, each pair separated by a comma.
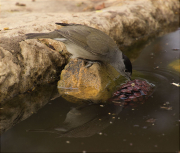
[(126, 70), (123, 65)]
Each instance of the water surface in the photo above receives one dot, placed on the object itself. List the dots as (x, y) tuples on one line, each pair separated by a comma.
[(149, 127)]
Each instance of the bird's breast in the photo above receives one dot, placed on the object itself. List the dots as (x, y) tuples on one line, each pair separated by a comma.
[(80, 52)]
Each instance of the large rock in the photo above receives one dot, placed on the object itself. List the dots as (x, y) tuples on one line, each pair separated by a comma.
[(25, 63), (79, 83)]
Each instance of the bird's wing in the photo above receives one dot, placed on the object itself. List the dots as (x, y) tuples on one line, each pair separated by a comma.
[(92, 40)]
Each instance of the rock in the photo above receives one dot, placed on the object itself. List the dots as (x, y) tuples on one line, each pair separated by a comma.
[(25, 63), (79, 83)]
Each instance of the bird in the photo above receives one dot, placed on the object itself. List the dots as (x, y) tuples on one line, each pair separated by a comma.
[(89, 44)]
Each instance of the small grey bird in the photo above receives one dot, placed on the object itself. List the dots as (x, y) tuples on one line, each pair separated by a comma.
[(89, 44)]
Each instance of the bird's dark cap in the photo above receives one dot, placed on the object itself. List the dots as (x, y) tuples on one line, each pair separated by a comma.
[(127, 63)]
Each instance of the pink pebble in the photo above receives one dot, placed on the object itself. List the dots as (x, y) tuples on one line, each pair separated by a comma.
[(145, 83), (125, 85), (130, 88), (142, 87), (143, 92), (137, 87), (115, 94), (121, 96), (137, 94), (126, 90), (132, 97)]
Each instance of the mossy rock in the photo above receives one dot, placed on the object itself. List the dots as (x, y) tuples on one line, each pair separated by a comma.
[(95, 83)]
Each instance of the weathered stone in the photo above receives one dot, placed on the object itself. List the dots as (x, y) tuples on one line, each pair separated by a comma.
[(94, 83), (27, 63)]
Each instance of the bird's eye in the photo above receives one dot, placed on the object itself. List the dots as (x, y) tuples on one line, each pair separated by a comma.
[(126, 70)]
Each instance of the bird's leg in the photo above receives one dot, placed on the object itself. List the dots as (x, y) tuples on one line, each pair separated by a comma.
[(88, 63)]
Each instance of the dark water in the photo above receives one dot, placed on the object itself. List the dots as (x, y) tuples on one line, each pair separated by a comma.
[(149, 127)]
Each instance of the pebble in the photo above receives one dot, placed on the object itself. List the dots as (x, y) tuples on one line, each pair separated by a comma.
[(166, 108), (144, 127), (136, 125), (100, 133)]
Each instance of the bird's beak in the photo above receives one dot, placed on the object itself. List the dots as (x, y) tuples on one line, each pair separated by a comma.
[(129, 78)]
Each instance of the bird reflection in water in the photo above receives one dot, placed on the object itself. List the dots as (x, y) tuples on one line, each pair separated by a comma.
[(85, 120)]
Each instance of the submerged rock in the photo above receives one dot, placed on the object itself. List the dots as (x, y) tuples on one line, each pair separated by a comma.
[(133, 91)]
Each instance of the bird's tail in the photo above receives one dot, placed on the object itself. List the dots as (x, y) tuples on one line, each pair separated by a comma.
[(67, 24), (36, 35), (50, 35)]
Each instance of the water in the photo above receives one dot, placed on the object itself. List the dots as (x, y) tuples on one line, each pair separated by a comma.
[(149, 127)]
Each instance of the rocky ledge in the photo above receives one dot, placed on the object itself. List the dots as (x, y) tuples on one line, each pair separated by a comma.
[(27, 63)]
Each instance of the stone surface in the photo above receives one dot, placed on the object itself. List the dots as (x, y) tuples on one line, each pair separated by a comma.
[(25, 63), (79, 83)]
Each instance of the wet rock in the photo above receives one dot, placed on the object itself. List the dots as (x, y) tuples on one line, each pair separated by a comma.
[(133, 91), (25, 64), (93, 83)]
